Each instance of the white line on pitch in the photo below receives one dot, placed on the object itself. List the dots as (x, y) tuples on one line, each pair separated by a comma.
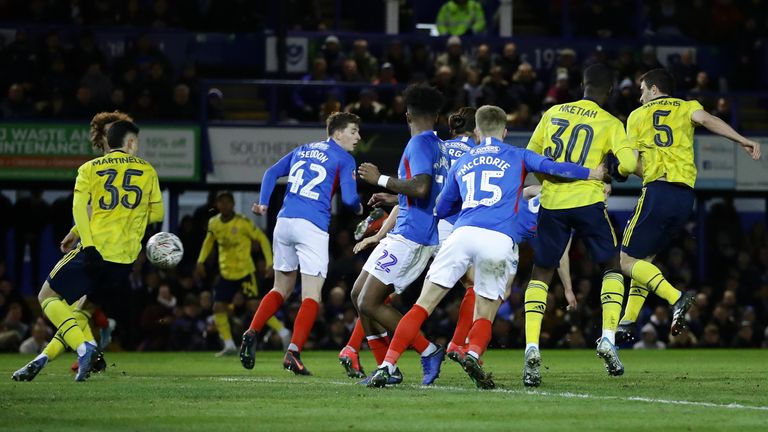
[(565, 395)]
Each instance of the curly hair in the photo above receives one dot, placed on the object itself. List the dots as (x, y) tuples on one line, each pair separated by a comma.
[(423, 100), (99, 124)]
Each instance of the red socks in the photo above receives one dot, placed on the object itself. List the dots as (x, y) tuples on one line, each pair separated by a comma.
[(378, 346), (356, 338), (305, 319), (466, 316), (479, 336), (408, 332), (267, 308)]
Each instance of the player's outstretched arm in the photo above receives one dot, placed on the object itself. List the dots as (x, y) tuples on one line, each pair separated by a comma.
[(531, 191), (380, 199), (718, 126), (417, 187), (349, 195), (538, 163), (281, 169)]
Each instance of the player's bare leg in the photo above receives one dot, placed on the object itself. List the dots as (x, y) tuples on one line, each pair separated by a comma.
[(270, 304)]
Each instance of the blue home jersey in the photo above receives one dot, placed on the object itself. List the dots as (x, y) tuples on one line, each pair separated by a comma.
[(416, 220), (451, 151), (524, 225), (486, 184), (314, 172)]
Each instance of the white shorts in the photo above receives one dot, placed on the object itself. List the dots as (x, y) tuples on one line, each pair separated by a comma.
[(300, 244), (398, 261), (444, 229), (493, 255)]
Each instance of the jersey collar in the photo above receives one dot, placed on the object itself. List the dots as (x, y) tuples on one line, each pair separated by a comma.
[(492, 140), (117, 151)]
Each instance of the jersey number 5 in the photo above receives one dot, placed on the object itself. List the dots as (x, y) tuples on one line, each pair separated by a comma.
[(557, 151), (296, 179), (114, 192), (663, 129)]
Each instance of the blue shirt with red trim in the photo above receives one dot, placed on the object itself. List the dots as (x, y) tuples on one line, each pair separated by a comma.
[(416, 220), (524, 225), (451, 151), (314, 173), (485, 186)]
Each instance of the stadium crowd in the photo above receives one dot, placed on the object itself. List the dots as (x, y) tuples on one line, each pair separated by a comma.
[(50, 77), (172, 310)]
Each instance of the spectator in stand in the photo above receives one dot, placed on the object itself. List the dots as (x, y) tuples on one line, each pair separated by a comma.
[(307, 100), (367, 64), (509, 59), (685, 71), (496, 89), (649, 339), (31, 214), (566, 62), (452, 91), (188, 328), (625, 64), (473, 90), (181, 107), (461, 17), (520, 118), (700, 90), (99, 85), (334, 58), (383, 83), (395, 56), (526, 89), (455, 59), (625, 101), (483, 60), (350, 74), (82, 107), (723, 111), (117, 101), (422, 64), (38, 340), (559, 93), (396, 114), (648, 60), (145, 107), (367, 108), (16, 106)]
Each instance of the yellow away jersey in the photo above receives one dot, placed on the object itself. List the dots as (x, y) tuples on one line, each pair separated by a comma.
[(663, 132), (235, 238), (582, 133), (123, 191)]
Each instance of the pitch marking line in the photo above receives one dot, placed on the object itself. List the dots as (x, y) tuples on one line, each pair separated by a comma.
[(564, 395)]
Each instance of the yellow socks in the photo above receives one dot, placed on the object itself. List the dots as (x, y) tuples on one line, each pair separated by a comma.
[(222, 324), (55, 347), (84, 322), (275, 324), (535, 306), (60, 314), (612, 298), (637, 296), (650, 276)]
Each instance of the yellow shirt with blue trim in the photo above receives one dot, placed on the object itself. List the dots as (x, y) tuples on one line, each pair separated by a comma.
[(663, 130), (579, 132), (124, 193), (235, 238)]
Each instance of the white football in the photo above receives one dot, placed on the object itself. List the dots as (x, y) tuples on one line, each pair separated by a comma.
[(164, 250)]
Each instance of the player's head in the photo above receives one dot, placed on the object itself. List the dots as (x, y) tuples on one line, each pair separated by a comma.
[(597, 81), (491, 122), (225, 203), (344, 128), (462, 122), (100, 123), (656, 83), (123, 134), (423, 104)]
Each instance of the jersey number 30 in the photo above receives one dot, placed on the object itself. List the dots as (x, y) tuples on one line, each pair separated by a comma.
[(114, 193), (296, 179)]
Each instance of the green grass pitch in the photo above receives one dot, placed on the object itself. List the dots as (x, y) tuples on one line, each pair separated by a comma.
[(685, 390)]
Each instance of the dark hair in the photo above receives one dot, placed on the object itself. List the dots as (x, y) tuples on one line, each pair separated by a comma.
[(225, 194), (99, 124), (462, 121), (423, 101), (660, 78), (340, 120), (118, 131), (598, 76)]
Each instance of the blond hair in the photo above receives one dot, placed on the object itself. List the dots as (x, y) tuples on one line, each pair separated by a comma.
[(99, 124), (491, 120)]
